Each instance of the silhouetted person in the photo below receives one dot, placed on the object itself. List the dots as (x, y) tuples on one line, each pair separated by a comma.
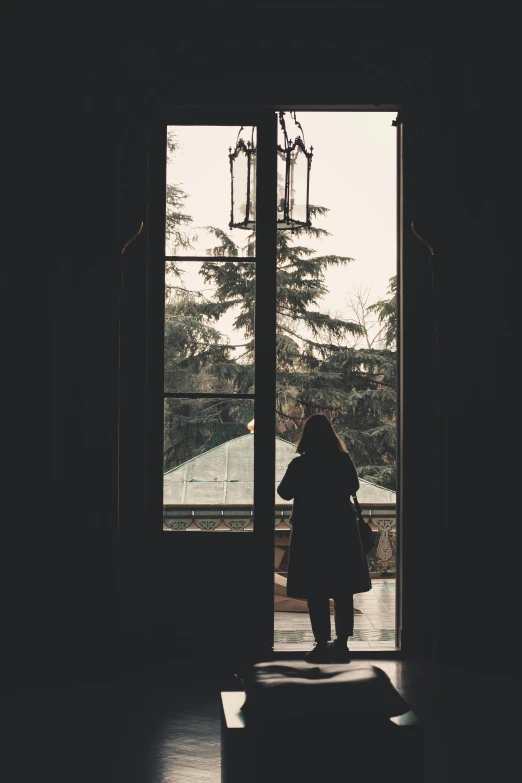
[(326, 559)]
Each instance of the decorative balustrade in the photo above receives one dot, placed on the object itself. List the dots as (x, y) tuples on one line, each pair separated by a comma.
[(234, 518), (208, 518)]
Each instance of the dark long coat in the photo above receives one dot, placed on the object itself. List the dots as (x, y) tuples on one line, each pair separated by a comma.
[(326, 556)]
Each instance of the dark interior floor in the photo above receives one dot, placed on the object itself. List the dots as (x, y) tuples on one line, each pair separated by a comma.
[(160, 724)]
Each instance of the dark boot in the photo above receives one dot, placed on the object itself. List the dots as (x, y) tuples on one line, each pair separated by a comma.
[(339, 651), (318, 654)]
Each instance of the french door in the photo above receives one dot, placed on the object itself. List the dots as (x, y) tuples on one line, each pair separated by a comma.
[(190, 180)]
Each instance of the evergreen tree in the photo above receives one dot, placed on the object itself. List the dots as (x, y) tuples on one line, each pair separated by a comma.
[(195, 355), (177, 221), (321, 366)]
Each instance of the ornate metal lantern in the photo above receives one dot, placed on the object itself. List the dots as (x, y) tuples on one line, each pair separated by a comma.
[(243, 183), (293, 181)]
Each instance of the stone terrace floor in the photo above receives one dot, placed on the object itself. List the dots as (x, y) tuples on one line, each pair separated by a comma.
[(374, 628)]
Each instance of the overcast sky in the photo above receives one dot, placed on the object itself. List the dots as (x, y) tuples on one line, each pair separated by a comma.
[(353, 174)]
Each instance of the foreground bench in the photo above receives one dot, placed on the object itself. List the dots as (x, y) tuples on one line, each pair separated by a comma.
[(321, 746)]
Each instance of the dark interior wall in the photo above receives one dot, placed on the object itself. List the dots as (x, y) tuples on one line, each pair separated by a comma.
[(91, 101), (476, 313)]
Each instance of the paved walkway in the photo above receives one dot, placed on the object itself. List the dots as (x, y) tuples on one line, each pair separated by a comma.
[(374, 629)]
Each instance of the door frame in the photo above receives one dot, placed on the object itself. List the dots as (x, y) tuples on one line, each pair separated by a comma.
[(265, 118)]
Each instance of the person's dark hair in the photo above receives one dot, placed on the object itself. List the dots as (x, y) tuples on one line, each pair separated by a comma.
[(319, 436)]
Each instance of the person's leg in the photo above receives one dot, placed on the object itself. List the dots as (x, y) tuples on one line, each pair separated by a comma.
[(343, 612), (319, 611)]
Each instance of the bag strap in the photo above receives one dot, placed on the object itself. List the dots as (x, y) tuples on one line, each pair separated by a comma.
[(357, 506)]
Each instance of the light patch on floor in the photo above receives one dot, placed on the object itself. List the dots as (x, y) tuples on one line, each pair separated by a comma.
[(374, 628)]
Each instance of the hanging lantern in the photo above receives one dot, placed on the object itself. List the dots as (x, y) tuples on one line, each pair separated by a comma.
[(293, 179), (243, 183)]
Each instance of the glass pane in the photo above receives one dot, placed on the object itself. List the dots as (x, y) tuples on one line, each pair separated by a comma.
[(297, 186), (199, 192), (208, 481), (209, 326), (298, 177), (240, 167)]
